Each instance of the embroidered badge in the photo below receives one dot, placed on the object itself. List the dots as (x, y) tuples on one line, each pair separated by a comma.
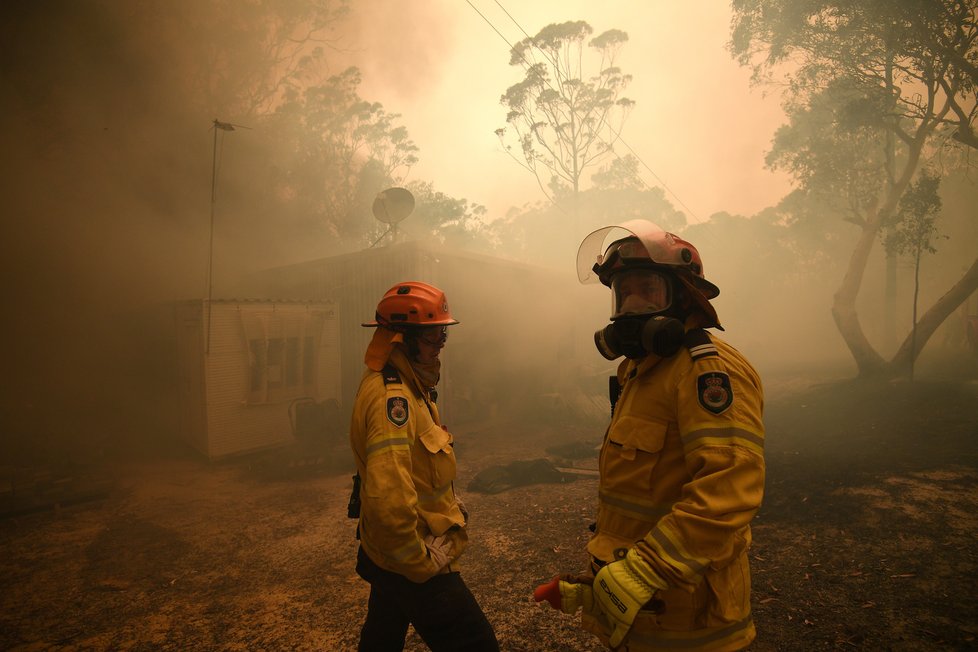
[(397, 411), (714, 391)]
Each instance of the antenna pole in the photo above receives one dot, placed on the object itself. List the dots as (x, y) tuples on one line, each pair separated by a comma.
[(223, 126), (210, 252), (390, 207)]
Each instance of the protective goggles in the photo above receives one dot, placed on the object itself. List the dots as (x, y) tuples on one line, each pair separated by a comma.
[(434, 335), (640, 292)]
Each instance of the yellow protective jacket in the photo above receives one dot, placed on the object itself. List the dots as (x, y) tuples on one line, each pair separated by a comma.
[(407, 468), (682, 475)]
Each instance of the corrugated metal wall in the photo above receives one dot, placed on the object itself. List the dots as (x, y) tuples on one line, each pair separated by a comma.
[(487, 354), (328, 376)]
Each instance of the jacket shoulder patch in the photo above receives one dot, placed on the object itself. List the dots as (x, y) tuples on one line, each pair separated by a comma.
[(714, 391), (397, 410)]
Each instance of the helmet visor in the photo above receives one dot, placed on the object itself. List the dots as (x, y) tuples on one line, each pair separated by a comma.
[(640, 292), (603, 247)]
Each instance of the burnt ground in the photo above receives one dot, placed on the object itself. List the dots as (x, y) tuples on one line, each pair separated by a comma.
[(866, 541)]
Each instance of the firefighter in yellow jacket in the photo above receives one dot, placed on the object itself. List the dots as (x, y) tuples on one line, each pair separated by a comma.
[(412, 525), (681, 466)]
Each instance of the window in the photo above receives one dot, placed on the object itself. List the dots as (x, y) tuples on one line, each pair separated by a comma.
[(282, 355)]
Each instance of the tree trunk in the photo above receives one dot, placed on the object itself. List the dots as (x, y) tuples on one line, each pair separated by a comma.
[(916, 296), (868, 361), (889, 303), (903, 359)]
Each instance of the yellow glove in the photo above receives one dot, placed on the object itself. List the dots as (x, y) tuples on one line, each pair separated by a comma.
[(567, 593), (621, 589)]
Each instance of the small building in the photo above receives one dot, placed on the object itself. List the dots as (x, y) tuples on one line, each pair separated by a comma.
[(247, 367), (515, 350)]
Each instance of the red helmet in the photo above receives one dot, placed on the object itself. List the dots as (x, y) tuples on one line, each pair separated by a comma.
[(412, 303), (642, 244)]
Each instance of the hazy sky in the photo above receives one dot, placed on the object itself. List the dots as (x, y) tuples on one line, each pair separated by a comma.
[(697, 124)]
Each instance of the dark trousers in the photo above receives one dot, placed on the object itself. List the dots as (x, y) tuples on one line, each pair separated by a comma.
[(443, 611)]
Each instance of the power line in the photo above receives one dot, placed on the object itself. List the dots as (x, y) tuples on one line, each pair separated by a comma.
[(489, 23), (619, 138), (557, 69), (510, 16)]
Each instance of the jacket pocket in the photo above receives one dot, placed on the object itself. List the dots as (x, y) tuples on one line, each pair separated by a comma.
[(729, 588), (632, 451), (439, 455)]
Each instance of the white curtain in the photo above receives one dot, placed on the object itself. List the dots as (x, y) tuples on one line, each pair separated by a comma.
[(282, 345)]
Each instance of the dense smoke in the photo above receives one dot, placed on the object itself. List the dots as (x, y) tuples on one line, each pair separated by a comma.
[(109, 159)]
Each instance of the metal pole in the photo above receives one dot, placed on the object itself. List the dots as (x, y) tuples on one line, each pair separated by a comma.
[(210, 255), (223, 126)]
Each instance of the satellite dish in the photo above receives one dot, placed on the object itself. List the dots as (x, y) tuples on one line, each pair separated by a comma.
[(393, 205)]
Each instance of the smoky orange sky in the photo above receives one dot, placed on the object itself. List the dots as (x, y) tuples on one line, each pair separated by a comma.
[(698, 126)]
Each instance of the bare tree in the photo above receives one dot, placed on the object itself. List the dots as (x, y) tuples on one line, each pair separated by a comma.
[(563, 118)]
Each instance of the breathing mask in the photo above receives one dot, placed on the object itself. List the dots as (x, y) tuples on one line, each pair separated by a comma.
[(638, 337), (643, 320)]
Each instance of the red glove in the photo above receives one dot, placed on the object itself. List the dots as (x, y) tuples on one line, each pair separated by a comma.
[(549, 592), (568, 593)]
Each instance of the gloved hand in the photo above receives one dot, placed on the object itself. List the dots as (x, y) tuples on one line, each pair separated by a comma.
[(567, 593), (440, 550), (461, 507), (621, 589)]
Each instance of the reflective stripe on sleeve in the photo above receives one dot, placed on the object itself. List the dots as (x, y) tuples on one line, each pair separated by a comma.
[(409, 553), (388, 443), (734, 435), (633, 506), (713, 638), (666, 546)]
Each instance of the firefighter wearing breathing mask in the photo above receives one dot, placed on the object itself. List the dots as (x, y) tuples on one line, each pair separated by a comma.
[(411, 521), (681, 466)]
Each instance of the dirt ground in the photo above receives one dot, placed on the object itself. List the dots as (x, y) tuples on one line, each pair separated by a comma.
[(867, 539)]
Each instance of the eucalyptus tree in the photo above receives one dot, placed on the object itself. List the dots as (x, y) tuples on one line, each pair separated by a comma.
[(448, 220), (240, 58), (873, 90), (335, 152), (566, 114), (913, 232)]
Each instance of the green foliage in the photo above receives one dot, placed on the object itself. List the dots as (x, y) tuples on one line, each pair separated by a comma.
[(872, 88), (562, 118), (240, 58), (834, 146), (922, 52), (620, 174), (333, 152), (913, 229), (450, 221)]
